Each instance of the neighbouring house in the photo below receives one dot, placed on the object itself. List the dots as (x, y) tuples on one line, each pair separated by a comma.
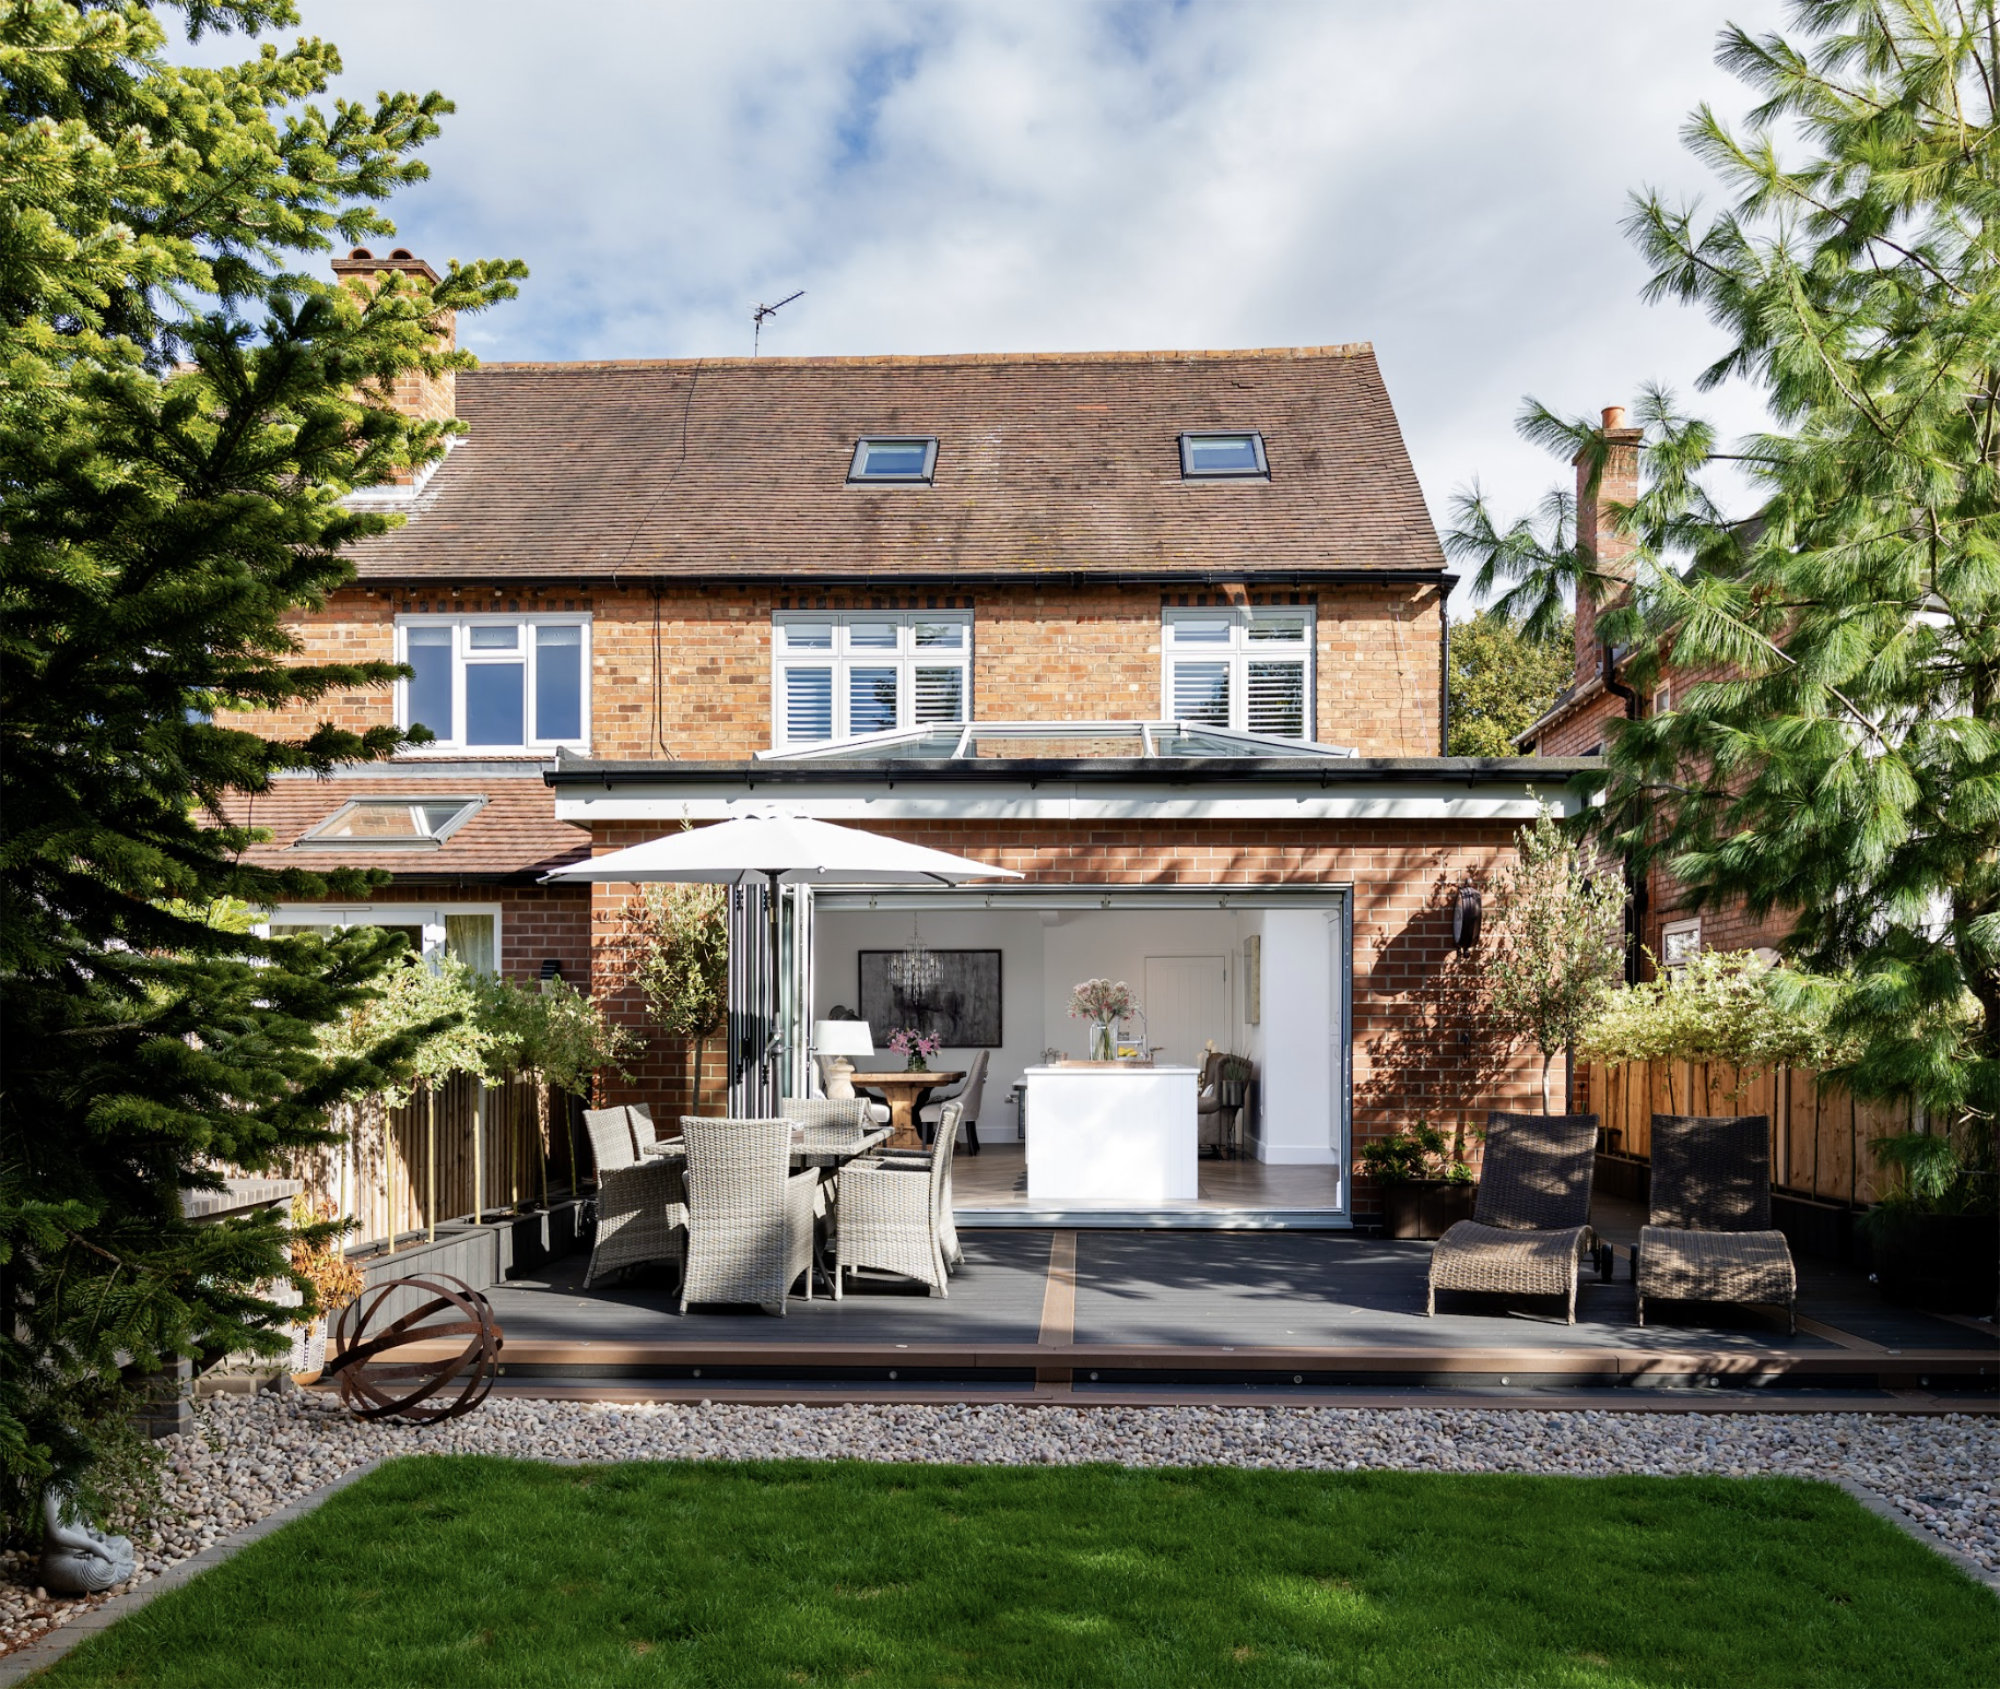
[(1163, 631), (1663, 920)]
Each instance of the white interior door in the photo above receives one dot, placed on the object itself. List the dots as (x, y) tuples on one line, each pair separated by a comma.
[(1186, 1004)]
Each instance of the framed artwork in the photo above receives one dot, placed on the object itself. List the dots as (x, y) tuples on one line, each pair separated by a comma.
[(962, 1010)]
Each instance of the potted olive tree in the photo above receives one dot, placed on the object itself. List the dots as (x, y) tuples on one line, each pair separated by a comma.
[(1426, 1182)]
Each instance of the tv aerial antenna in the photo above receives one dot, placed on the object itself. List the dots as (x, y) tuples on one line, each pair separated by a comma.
[(757, 318)]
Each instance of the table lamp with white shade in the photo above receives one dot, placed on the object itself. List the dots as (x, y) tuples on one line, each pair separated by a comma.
[(837, 1041)]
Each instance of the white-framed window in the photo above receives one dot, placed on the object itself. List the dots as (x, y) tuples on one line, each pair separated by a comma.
[(1218, 456), (1679, 942), (894, 457), (1663, 701), (837, 674), (1244, 667), (496, 682), (469, 931)]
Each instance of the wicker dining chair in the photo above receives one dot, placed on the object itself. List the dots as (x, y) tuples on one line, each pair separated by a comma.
[(890, 1212), (832, 1124), (750, 1218), (954, 1256), (641, 1205), (645, 1134), (1709, 1236), (1531, 1223)]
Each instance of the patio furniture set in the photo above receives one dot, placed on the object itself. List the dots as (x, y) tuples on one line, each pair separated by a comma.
[(745, 1209), (1708, 1237)]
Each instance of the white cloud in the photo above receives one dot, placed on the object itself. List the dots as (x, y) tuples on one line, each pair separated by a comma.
[(1445, 180)]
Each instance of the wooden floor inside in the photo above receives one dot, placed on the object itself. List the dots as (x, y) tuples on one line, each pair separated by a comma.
[(992, 1189), (1079, 1309)]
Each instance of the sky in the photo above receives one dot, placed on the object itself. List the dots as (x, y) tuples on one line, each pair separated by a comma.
[(1445, 179)]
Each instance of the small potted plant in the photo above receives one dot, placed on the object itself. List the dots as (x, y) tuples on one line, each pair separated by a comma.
[(1426, 1183), (1232, 1080), (335, 1281), (916, 1048)]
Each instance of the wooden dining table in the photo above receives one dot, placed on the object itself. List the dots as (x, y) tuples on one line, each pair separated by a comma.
[(904, 1091)]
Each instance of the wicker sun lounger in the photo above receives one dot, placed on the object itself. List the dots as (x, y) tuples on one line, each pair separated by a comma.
[(1710, 1237), (890, 1213), (750, 1218), (641, 1205), (1531, 1224)]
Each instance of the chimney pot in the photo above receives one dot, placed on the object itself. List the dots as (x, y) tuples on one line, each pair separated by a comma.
[(404, 252), (1614, 415), (361, 252)]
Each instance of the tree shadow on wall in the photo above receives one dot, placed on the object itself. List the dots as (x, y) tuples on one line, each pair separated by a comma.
[(1440, 1056)]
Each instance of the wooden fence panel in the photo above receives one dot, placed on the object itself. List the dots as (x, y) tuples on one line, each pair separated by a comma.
[(1820, 1134)]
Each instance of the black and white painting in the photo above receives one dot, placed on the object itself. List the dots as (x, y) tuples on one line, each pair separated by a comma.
[(962, 1010)]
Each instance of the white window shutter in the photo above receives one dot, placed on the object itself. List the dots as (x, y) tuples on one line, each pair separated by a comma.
[(1277, 699)]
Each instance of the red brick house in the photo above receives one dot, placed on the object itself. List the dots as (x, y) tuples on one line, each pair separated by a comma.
[(1163, 631), (1578, 723)]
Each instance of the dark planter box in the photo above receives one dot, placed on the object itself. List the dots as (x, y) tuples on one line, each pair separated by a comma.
[(1425, 1207), (1949, 1262), (1625, 1178), (1821, 1229)]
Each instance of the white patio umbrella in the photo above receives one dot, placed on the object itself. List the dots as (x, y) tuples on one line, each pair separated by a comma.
[(779, 850)]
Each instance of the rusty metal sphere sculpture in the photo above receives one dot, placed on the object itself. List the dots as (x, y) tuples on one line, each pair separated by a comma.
[(376, 1387)]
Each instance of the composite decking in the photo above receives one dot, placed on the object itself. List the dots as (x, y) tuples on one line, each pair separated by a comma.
[(1080, 1310)]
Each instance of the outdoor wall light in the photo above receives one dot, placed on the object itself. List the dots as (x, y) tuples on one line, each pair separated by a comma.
[(1465, 917)]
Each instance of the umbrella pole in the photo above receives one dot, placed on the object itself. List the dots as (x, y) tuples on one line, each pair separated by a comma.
[(777, 994)]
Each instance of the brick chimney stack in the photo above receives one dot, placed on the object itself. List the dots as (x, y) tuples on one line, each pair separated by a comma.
[(429, 398), (1611, 550)]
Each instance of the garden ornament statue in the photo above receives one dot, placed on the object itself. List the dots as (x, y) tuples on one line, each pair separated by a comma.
[(375, 1385), (78, 1558)]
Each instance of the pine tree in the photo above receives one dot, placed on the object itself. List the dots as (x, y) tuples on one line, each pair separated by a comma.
[(1844, 766), (183, 405)]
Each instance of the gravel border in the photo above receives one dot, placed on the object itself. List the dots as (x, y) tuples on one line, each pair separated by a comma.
[(253, 1462)]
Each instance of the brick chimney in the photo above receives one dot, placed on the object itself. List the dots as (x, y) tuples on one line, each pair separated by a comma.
[(429, 398), (1611, 550)]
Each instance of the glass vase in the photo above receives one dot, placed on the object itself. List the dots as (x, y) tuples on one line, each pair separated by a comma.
[(1100, 1040)]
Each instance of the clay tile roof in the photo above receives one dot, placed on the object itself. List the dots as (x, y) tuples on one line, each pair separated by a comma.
[(1056, 462), (516, 833)]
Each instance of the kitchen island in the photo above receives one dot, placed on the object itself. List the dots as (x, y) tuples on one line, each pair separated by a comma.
[(1113, 1132)]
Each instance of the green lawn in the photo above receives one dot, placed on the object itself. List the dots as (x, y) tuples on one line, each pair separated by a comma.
[(460, 1572)]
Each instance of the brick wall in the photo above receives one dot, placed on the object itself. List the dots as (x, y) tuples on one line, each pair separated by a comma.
[(536, 923), (689, 674), (1421, 1041)]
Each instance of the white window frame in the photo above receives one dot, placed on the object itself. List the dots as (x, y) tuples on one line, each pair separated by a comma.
[(857, 472), (1239, 653), (1189, 439), (462, 657), (1673, 935), (1663, 701), (428, 916), (842, 657)]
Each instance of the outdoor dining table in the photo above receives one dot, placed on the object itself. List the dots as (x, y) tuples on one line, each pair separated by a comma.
[(904, 1092)]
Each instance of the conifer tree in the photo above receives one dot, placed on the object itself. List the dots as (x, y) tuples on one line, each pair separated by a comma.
[(1843, 765), (185, 397)]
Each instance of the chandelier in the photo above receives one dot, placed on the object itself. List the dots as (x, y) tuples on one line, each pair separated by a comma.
[(913, 970)]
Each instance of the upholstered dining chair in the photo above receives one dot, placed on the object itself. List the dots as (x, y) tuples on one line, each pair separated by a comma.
[(970, 1092)]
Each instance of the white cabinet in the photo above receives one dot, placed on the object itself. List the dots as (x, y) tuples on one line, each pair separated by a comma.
[(1111, 1134)]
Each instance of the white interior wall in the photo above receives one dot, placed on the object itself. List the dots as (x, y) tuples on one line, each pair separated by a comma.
[(1300, 1055), (840, 936)]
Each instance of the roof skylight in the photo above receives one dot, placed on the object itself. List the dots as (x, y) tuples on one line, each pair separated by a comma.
[(1223, 457), (391, 824), (902, 457)]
